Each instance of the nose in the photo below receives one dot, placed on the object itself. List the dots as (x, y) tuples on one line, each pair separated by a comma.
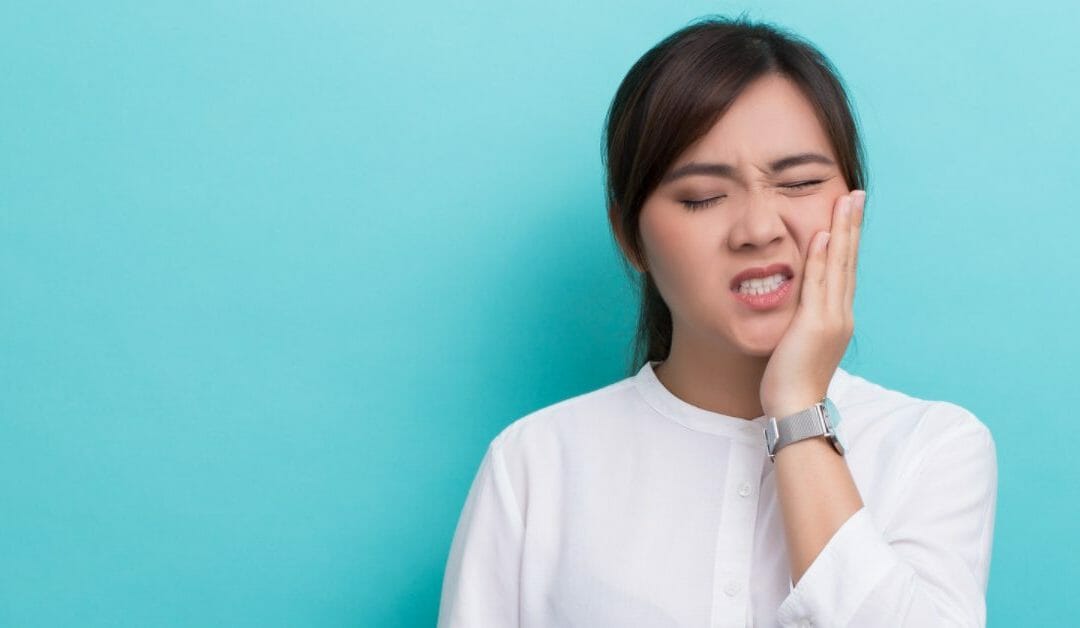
[(758, 222)]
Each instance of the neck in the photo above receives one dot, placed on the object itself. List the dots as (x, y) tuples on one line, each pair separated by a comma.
[(716, 378)]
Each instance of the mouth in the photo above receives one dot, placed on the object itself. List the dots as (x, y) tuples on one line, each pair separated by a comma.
[(761, 279), (770, 293)]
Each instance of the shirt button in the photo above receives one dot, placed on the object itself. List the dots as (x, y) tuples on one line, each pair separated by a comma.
[(744, 489), (732, 588)]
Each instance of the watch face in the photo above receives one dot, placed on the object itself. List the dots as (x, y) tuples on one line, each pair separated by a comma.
[(834, 414), (834, 421), (839, 445)]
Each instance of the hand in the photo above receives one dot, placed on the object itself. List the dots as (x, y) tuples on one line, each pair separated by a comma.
[(804, 361)]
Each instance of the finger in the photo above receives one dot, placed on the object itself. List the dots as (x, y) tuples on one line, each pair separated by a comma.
[(856, 231), (812, 294), (839, 249)]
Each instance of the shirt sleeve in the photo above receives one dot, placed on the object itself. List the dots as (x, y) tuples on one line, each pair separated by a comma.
[(932, 567), (480, 586)]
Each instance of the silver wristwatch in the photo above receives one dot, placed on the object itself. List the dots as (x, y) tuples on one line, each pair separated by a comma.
[(820, 419)]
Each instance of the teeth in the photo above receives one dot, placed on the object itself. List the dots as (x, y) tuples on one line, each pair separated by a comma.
[(761, 286)]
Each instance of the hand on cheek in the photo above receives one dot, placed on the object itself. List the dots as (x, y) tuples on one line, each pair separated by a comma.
[(803, 363)]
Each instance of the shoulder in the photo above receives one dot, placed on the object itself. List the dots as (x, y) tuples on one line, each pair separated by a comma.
[(536, 451), (575, 416), (907, 428), (895, 440), (872, 404)]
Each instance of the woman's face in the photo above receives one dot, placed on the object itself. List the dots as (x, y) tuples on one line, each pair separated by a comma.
[(753, 216)]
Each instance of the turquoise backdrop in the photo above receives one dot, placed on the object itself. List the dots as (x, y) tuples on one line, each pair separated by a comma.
[(273, 274)]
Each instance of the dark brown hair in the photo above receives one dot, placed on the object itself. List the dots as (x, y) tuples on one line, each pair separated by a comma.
[(671, 97)]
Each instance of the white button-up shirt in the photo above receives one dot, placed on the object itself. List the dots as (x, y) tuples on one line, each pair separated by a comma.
[(628, 507)]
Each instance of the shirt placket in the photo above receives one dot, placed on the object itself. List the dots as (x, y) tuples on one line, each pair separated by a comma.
[(735, 537)]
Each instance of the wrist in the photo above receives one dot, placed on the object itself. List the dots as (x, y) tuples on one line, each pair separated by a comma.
[(790, 406)]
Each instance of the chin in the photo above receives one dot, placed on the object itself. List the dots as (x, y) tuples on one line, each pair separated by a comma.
[(760, 350), (762, 340)]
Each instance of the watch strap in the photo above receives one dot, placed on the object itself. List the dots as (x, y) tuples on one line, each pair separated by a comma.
[(804, 424), (820, 419)]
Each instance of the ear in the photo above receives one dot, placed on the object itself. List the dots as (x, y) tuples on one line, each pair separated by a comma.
[(624, 242)]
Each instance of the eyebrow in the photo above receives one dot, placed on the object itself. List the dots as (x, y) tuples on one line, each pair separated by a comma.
[(726, 170)]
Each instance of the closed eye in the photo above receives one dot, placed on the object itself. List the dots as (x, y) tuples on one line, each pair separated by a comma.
[(804, 184), (692, 205)]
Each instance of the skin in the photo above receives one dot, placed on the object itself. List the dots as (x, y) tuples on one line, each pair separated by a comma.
[(743, 363)]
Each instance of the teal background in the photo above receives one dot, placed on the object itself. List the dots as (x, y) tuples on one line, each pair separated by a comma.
[(272, 275)]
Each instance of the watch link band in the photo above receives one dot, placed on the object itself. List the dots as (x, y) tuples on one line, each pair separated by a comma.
[(817, 420)]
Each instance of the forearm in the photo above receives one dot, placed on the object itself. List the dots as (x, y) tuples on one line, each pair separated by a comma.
[(817, 495), (925, 563)]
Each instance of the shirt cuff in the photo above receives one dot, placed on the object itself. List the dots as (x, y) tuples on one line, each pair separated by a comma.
[(842, 575)]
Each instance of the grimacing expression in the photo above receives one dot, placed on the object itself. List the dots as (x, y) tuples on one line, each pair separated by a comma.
[(734, 200)]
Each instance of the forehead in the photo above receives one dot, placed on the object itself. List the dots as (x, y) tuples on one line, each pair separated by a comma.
[(769, 119)]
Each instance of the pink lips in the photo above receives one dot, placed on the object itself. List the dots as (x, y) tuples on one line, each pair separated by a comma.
[(759, 272), (766, 301)]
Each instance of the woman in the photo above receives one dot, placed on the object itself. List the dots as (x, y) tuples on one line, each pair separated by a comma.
[(716, 485)]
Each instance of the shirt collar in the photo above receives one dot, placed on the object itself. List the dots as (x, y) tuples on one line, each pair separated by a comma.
[(748, 430)]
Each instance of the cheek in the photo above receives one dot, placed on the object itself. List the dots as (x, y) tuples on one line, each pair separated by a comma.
[(676, 248), (815, 215)]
